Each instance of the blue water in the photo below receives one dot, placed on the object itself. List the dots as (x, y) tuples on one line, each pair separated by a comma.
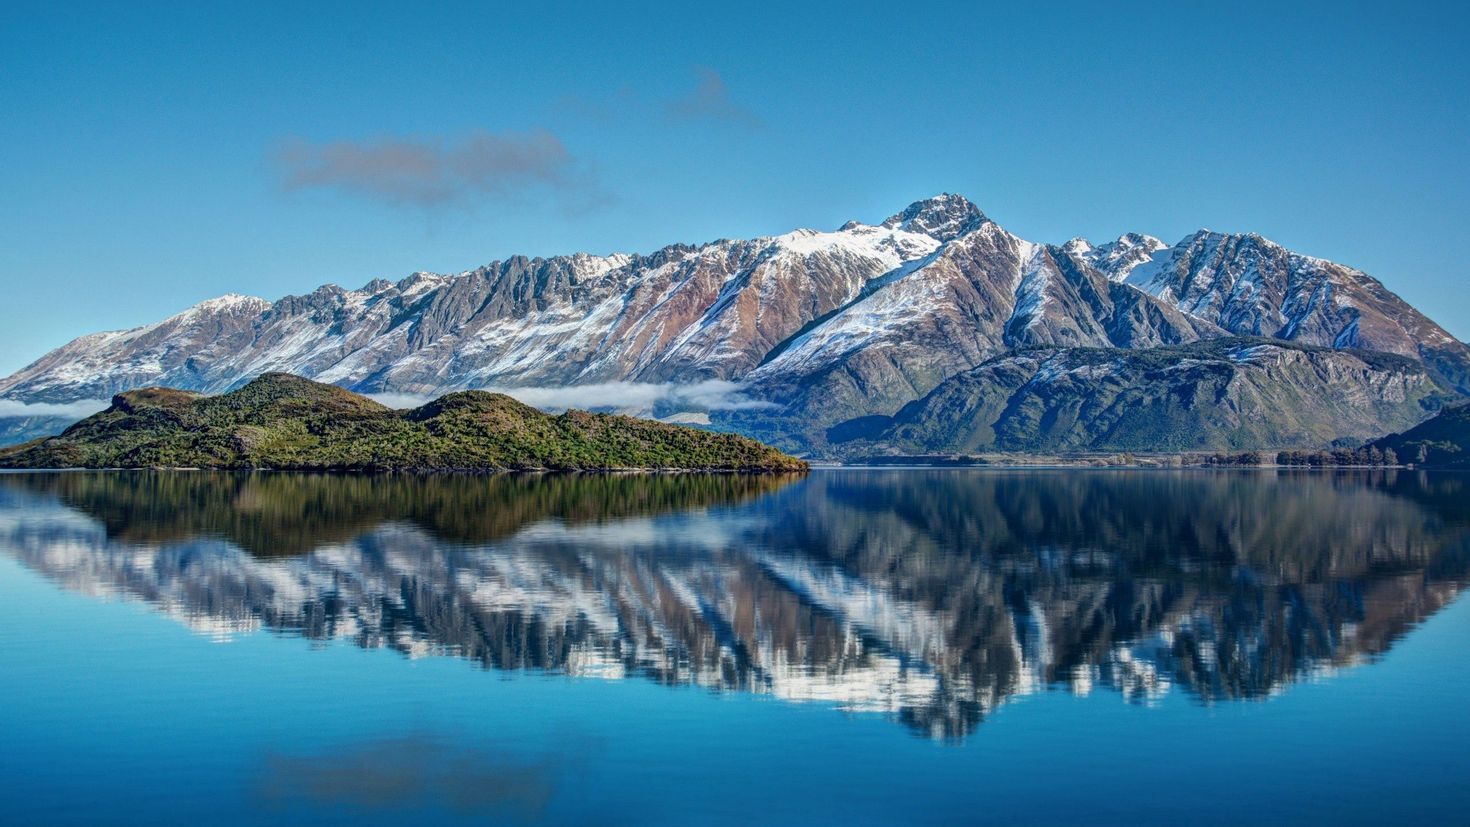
[(855, 647)]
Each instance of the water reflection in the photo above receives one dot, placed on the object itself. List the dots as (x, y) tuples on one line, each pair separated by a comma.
[(930, 596)]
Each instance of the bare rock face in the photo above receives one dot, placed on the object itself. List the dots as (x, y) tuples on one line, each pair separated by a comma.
[(815, 328)]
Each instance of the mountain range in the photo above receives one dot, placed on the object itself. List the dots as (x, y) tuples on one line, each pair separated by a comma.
[(814, 340)]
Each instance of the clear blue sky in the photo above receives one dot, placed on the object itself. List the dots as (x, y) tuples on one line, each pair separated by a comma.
[(155, 155)]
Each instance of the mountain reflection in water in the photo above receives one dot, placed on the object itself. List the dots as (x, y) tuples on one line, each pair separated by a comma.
[(930, 596)]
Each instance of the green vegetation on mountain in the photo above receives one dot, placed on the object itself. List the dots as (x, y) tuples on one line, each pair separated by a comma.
[(1440, 442), (280, 421)]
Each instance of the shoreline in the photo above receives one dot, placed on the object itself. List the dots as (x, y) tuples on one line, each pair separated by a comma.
[(465, 472), (907, 464), (1122, 459)]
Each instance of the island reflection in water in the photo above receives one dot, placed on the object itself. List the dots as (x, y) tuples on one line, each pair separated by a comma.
[(929, 596)]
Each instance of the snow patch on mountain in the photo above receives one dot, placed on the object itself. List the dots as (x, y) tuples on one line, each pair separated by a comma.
[(886, 312), (1032, 280), (891, 246)]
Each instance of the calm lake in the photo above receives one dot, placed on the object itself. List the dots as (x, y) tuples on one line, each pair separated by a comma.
[(853, 647)]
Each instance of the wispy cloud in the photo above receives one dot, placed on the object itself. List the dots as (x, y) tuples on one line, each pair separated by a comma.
[(709, 395), (711, 100), (400, 401), (71, 410), (435, 171)]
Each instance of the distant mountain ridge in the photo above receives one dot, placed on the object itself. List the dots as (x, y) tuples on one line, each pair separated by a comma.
[(817, 328)]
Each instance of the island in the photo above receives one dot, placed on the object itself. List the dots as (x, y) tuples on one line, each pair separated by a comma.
[(280, 421)]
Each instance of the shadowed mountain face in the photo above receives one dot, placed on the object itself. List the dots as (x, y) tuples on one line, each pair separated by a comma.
[(1236, 393), (928, 596)]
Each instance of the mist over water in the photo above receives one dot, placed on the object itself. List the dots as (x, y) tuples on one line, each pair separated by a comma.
[(922, 603)]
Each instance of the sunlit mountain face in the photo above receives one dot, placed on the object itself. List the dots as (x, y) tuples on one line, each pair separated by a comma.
[(931, 596)]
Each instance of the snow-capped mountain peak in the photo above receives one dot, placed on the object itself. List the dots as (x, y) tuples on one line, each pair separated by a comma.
[(942, 217), (1078, 246), (231, 301)]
